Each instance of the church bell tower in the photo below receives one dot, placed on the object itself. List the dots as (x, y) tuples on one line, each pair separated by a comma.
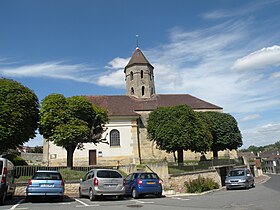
[(139, 76)]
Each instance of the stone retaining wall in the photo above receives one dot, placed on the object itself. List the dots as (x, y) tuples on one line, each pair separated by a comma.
[(176, 182)]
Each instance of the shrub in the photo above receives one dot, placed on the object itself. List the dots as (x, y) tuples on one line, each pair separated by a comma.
[(15, 159), (200, 184)]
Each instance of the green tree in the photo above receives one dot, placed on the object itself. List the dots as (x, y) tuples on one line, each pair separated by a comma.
[(176, 129), (70, 122), (224, 130), (19, 114)]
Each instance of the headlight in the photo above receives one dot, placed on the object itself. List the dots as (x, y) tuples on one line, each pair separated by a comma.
[(242, 180), (227, 181)]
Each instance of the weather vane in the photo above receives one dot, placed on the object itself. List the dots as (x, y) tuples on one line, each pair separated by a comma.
[(137, 40)]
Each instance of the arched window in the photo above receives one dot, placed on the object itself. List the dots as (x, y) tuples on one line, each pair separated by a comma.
[(143, 90), (142, 74), (114, 138), (131, 75), (132, 91)]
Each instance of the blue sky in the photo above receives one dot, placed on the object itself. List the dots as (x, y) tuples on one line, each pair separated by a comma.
[(226, 52)]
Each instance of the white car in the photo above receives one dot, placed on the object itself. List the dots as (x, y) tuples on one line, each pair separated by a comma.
[(7, 178)]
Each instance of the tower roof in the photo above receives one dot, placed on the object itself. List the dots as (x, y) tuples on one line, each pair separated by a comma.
[(138, 58)]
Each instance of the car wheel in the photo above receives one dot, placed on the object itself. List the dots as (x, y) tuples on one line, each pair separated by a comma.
[(253, 184), (120, 197), (2, 199), (159, 195), (91, 195), (134, 193), (80, 193)]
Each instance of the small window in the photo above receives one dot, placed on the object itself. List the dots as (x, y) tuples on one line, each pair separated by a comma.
[(132, 91), (114, 138), (131, 75), (143, 90), (142, 74)]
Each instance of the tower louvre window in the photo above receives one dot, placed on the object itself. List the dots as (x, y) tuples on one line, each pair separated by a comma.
[(132, 91), (131, 75), (142, 74), (143, 90)]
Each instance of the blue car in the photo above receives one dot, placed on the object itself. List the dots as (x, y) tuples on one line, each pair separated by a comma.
[(143, 183), (45, 184)]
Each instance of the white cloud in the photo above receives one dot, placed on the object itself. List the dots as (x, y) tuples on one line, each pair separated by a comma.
[(260, 59), (118, 63), (250, 117), (114, 79), (58, 70), (262, 135)]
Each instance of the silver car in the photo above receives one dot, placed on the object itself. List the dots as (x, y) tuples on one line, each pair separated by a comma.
[(102, 182), (239, 178)]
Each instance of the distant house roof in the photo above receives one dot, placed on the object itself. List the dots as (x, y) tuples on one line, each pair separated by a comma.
[(122, 105), (248, 155), (138, 58), (268, 154)]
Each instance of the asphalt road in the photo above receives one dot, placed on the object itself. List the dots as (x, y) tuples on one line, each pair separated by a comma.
[(263, 197)]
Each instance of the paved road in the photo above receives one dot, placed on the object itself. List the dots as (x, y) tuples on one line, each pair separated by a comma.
[(262, 197)]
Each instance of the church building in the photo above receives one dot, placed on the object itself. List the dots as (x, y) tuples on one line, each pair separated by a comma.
[(126, 132)]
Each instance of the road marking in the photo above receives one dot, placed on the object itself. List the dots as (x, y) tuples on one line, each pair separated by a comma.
[(183, 199), (84, 204), (13, 207), (137, 201)]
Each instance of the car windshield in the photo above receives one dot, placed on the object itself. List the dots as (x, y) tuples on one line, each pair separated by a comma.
[(47, 176), (108, 174), (148, 176), (237, 173)]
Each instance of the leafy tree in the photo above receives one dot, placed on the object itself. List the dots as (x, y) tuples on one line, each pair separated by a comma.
[(224, 130), (19, 114), (176, 129), (70, 122)]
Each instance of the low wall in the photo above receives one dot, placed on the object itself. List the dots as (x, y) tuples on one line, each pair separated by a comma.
[(71, 189), (176, 182)]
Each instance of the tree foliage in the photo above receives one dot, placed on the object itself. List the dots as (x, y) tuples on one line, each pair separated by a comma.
[(176, 129), (19, 114), (224, 130), (70, 122)]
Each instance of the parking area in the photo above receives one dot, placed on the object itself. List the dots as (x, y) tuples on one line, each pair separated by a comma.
[(78, 203)]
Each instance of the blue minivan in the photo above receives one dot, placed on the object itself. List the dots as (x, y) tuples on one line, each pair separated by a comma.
[(143, 183)]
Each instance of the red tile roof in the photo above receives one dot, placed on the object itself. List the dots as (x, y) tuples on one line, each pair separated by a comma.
[(138, 58), (122, 105)]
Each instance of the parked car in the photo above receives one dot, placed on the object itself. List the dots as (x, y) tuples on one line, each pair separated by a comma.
[(239, 178), (143, 183), (102, 182), (7, 177), (47, 184)]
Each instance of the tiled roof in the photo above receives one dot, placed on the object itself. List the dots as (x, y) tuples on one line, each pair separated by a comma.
[(122, 105), (138, 58)]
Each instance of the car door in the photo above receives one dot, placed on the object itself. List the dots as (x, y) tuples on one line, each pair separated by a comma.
[(128, 183), (85, 184)]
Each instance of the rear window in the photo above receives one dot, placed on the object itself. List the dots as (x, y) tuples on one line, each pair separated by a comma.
[(148, 176), (46, 176), (1, 167), (108, 174), (237, 173)]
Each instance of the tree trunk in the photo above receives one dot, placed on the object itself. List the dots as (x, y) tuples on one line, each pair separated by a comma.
[(70, 152), (180, 153), (175, 158), (215, 154)]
